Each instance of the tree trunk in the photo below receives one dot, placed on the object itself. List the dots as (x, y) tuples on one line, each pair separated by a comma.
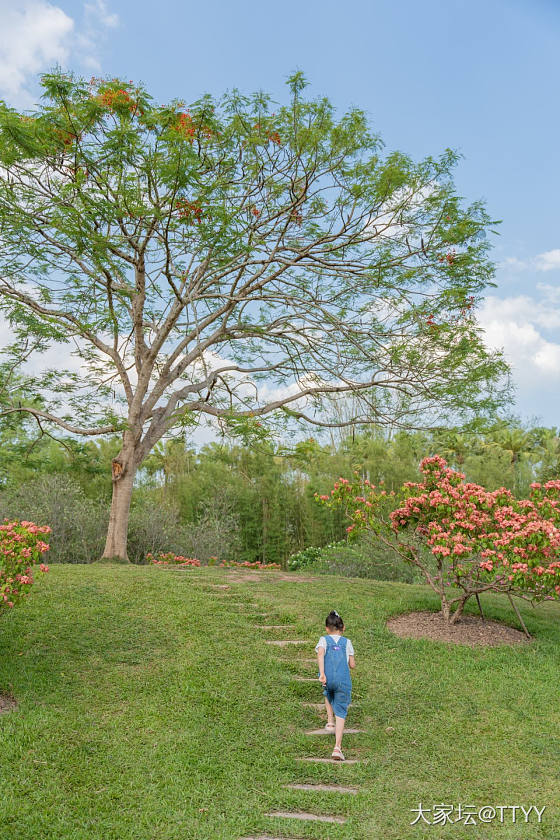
[(123, 469), (445, 610), (459, 611)]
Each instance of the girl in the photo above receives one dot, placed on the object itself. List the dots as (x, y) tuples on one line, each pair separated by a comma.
[(335, 654)]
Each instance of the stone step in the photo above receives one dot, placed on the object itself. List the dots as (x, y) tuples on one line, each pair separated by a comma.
[(324, 788), (283, 642), (266, 837), (326, 732), (303, 815), (329, 760), (275, 626)]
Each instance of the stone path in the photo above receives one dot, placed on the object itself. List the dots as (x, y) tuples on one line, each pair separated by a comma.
[(303, 815), (325, 732), (333, 789), (329, 760), (275, 626), (325, 788), (283, 642), (267, 837)]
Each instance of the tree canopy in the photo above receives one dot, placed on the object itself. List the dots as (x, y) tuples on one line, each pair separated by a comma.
[(234, 258)]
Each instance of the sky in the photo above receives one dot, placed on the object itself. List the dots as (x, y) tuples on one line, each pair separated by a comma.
[(478, 76)]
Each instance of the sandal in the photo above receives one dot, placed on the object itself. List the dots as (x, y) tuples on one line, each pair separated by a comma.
[(337, 754), (330, 727)]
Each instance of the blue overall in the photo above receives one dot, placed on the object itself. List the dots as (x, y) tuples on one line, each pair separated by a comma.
[(338, 689)]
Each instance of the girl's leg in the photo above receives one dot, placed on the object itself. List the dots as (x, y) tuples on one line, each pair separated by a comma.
[(330, 712), (339, 730)]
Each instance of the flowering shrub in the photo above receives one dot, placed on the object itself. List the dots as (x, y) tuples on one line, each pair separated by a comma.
[(257, 564), (169, 558), (305, 557), (21, 546), (459, 534)]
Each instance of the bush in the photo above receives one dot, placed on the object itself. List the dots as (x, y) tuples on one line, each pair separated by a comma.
[(480, 541), (20, 548), (155, 528), (79, 524), (215, 533), (366, 559), (170, 559), (304, 558)]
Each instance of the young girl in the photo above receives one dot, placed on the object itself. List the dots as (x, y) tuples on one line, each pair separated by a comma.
[(335, 656)]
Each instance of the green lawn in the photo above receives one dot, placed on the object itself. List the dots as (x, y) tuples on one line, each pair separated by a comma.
[(150, 708)]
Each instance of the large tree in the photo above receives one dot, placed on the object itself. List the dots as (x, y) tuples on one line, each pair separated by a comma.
[(234, 259)]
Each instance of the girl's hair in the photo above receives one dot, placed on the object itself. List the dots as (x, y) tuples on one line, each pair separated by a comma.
[(334, 621)]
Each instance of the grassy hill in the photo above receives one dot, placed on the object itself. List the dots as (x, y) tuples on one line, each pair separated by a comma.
[(150, 708)]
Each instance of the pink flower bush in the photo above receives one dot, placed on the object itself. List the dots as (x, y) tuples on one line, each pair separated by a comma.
[(178, 560), (20, 549), (478, 540), (246, 564), (171, 559)]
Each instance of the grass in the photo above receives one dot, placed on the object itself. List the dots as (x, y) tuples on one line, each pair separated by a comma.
[(150, 709)]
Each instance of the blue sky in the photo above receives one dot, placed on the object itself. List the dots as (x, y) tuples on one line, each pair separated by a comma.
[(476, 76)]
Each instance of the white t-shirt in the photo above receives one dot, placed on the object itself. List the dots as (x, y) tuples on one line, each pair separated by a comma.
[(335, 637)]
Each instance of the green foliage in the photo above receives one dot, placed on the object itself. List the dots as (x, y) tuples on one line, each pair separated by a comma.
[(78, 523), (240, 502), (366, 558), (278, 237), (304, 558)]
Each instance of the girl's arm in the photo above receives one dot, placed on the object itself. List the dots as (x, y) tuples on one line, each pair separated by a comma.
[(351, 661), (321, 664)]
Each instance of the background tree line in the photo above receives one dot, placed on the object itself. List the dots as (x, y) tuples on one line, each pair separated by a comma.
[(246, 502)]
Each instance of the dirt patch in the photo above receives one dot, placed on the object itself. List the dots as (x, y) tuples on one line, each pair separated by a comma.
[(7, 703), (252, 577), (472, 630)]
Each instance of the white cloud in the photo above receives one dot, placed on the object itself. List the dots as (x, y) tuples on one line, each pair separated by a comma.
[(551, 293), (98, 11), (513, 264), (97, 19), (516, 324), (36, 35), (548, 261), (33, 36)]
